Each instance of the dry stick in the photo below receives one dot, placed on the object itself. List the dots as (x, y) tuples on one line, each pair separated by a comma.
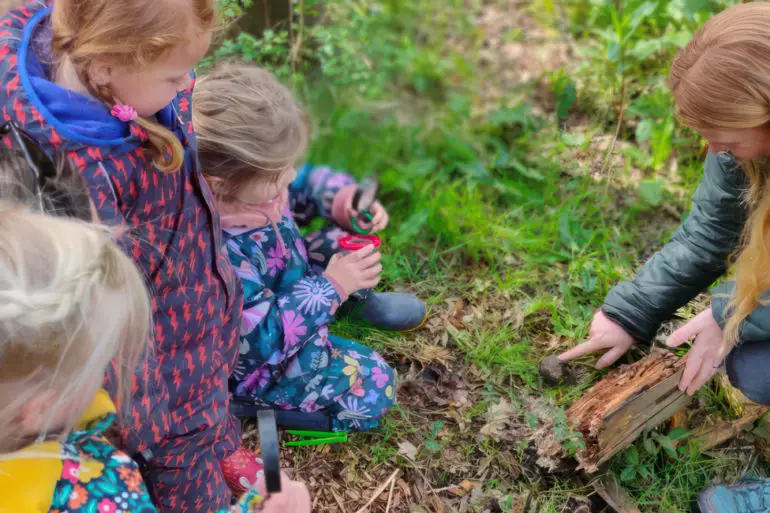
[(390, 495), (621, 113), (338, 501), (379, 491), (266, 11), (422, 474), (298, 43)]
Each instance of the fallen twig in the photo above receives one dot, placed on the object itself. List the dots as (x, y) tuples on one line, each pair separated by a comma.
[(379, 490), (724, 431), (619, 125), (615, 496), (390, 495), (338, 501)]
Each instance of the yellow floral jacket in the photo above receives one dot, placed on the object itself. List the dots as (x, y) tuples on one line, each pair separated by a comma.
[(82, 474)]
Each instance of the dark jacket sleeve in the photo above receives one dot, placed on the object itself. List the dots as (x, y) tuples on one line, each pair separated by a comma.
[(693, 259), (755, 328)]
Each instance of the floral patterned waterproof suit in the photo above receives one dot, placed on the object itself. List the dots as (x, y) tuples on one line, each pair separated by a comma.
[(82, 474), (288, 358)]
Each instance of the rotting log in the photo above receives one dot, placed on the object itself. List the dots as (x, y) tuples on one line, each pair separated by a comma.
[(627, 401)]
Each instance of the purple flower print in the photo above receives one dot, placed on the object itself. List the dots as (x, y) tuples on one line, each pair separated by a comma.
[(300, 245), (378, 360), (355, 354), (275, 261), (318, 175), (257, 379), (380, 378), (315, 295), (338, 181), (314, 255), (292, 327), (371, 397), (308, 406)]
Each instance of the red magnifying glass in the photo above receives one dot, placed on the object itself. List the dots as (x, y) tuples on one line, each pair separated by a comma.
[(356, 242)]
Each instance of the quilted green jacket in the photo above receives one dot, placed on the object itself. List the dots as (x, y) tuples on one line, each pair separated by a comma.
[(693, 259)]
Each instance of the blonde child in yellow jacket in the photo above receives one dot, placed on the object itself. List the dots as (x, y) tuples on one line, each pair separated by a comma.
[(71, 305)]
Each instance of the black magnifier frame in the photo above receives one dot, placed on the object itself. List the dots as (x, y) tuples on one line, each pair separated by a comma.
[(269, 450)]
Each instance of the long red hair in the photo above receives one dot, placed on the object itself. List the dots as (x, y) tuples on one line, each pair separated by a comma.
[(722, 80), (129, 33)]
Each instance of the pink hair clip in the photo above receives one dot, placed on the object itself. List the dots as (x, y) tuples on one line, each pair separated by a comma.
[(125, 113)]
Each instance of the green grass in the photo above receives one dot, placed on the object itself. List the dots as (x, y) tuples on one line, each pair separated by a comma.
[(509, 217)]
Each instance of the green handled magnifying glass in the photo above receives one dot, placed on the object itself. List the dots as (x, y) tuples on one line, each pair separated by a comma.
[(363, 200)]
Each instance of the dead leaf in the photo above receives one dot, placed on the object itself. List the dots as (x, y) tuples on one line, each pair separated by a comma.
[(502, 423), (408, 449)]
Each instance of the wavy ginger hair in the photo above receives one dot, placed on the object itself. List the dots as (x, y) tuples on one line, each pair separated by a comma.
[(722, 80), (129, 33)]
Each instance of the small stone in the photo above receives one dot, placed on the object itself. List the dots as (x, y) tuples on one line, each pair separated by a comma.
[(553, 370)]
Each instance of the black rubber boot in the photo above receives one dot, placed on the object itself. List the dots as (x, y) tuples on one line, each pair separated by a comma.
[(393, 311)]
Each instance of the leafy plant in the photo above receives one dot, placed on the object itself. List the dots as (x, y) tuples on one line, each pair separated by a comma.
[(432, 443)]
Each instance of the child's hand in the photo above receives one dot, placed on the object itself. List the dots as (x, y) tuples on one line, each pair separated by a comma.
[(357, 270), (604, 335), (293, 498), (380, 217), (706, 354)]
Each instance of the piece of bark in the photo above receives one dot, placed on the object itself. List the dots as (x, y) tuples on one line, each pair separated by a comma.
[(725, 430), (616, 497), (627, 401)]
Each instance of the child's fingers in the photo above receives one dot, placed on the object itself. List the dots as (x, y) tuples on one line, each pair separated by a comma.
[(378, 217), (370, 260), (363, 252), (372, 272), (370, 283)]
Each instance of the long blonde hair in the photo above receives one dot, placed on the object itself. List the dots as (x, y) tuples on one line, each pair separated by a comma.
[(248, 126), (128, 33), (722, 80), (70, 303)]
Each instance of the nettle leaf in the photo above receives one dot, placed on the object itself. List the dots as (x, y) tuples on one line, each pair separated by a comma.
[(628, 474)]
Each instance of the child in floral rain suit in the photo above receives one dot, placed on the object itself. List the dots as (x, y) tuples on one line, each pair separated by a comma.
[(250, 134)]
